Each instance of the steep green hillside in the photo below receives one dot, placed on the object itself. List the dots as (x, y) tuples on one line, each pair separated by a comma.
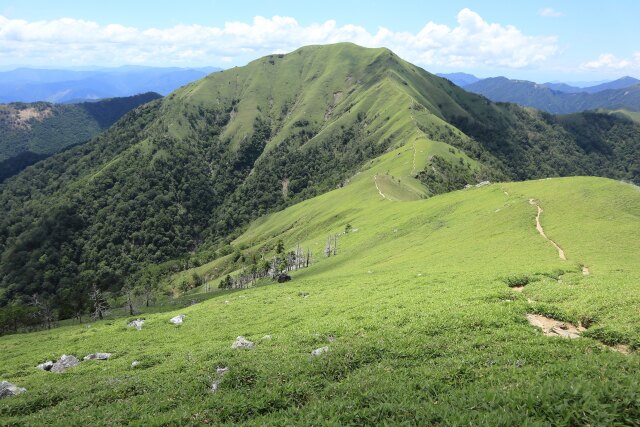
[(182, 176), (415, 310), (542, 97), (45, 128)]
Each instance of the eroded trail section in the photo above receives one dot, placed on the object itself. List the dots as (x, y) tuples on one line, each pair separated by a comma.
[(541, 230), (375, 179)]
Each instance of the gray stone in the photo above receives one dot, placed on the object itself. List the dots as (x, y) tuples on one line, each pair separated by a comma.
[(64, 362), (135, 363), (177, 320), (7, 389), (97, 356), (482, 184), (46, 366), (136, 324), (242, 342), (318, 351), (331, 338), (222, 371)]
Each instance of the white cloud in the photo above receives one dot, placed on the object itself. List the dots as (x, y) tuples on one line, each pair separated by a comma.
[(549, 12), (608, 61), (472, 42)]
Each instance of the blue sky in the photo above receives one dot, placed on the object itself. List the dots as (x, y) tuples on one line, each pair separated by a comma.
[(569, 40)]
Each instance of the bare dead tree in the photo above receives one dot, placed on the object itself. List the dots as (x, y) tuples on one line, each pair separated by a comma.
[(44, 310), (127, 291), (327, 247), (98, 302), (335, 245)]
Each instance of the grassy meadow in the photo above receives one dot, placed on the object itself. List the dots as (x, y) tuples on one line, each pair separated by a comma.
[(421, 325)]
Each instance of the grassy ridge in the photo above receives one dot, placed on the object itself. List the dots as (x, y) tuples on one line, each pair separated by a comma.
[(426, 328)]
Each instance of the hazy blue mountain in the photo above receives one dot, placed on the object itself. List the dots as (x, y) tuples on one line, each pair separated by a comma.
[(63, 86), (460, 79), (563, 87), (530, 94), (621, 83)]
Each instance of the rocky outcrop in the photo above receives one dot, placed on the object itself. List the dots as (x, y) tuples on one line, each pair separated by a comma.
[(97, 356), (242, 342), (7, 389), (177, 320), (65, 362)]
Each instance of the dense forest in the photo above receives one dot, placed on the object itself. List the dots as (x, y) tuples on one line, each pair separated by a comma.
[(183, 175)]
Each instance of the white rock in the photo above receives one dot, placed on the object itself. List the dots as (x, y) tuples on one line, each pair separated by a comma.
[(266, 338), (215, 385), (97, 356), (135, 363), (177, 320), (46, 366), (136, 324), (222, 371), (65, 362), (7, 389), (242, 342), (318, 351)]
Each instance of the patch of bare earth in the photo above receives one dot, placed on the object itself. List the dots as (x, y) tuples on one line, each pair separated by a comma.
[(20, 118), (555, 328)]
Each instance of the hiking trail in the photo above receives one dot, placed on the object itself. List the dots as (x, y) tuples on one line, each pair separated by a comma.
[(541, 230)]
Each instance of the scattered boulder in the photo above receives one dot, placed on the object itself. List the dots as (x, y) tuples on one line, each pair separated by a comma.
[(97, 356), (482, 184), (177, 320), (331, 338), (7, 389), (283, 277), (318, 351), (266, 338), (216, 383), (135, 363), (64, 363), (242, 342), (46, 366), (136, 324)]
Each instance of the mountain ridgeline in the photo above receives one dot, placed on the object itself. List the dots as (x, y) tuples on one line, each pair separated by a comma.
[(186, 173), (561, 99)]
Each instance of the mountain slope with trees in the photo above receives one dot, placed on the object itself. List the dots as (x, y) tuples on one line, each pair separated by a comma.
[(30, 132), (183, 175)]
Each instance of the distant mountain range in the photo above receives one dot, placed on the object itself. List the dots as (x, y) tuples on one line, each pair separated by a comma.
[(64, 86), (557, 98)]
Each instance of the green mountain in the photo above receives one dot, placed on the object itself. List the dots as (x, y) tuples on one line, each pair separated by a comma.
[(182, 176), (543, 97), (33, 131)]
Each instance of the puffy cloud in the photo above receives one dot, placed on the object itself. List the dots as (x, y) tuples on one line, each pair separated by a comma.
[(608, 61), (472, 42), (549, 12)]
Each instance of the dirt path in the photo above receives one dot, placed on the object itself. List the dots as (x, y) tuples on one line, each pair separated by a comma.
[(541, 230), (375, 179), (413, 169)]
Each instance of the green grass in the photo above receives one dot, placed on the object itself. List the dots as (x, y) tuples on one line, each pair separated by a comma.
[(427, 330)]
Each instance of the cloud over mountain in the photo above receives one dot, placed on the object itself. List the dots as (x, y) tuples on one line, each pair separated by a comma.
[(471, 42)]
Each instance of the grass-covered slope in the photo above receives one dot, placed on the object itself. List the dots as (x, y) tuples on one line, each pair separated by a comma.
[(188, 172), (426, 328)]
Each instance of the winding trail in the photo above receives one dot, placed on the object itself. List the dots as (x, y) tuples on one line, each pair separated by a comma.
[(375, 179), (541, 230)]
